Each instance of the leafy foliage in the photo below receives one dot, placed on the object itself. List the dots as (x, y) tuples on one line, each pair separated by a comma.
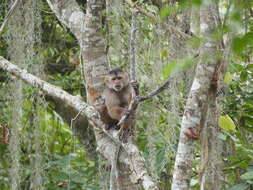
[(66, 165)]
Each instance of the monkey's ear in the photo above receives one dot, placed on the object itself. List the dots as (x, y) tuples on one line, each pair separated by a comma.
[(107, 80), (126, 76)]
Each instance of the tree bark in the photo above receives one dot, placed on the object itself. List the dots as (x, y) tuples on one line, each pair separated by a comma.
[(80, 127), (197, 102), (87, 30), (211, 164), (130, 155)]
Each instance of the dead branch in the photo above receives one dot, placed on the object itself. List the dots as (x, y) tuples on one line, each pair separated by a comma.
[(134, 159), (155, 92)]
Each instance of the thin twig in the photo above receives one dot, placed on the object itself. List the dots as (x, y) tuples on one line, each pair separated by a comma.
[(133, 103), (8, 15), (156, 91), (133, 46), (226, 14), (156, 19), (143, 11), (114, 185)]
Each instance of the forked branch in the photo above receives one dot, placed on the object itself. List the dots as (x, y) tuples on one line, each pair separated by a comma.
[(134, 158), (156, 91)]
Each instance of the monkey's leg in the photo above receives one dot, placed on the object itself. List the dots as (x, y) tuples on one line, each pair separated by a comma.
[(126, 129), (111, 125)]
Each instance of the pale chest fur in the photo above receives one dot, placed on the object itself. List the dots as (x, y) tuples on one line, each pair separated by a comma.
[(126, 97), (121, 99)]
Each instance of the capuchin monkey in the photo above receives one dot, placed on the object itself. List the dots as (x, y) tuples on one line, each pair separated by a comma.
[(117, 95)]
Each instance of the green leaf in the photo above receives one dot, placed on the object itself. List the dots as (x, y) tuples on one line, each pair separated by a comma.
[(242, 186), (164, 53), (169, 68), (238, 67), (249, 67), (240, 43), (247, 175), (243, 76), (177, 66), (165, 12), (228, 78), (250, 129), (226, 123), (196, 2), (249, 121)]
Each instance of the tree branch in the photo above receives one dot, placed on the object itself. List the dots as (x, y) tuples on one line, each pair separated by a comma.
[(156, 91), (157, 19), (135, 101), (80, 126), (70, 14), (143, 11), (131, 155), (133, 46), (199, 96), (87, 29)]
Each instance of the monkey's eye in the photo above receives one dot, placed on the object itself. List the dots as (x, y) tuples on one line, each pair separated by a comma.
[(114, 78), (119, 78)]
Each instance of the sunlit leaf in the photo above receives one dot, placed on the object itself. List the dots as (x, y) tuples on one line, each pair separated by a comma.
[(242, 186), (228, 78), (247, 175), (226, 123), (169, 68), (165, 12), (164, 53)]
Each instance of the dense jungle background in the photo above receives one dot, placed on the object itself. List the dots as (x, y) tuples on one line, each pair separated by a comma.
[(42, 151)]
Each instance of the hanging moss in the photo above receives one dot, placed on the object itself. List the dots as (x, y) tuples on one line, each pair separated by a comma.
[(23, 39)]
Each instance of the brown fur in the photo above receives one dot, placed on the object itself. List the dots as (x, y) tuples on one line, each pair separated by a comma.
[(117, 95)]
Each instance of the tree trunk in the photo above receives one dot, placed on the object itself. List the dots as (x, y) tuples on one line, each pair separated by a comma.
[(211, 163), (87, 29), (95, 67), (197, 102)]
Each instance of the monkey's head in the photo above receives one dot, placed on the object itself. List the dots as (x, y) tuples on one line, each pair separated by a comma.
[(116, 79)]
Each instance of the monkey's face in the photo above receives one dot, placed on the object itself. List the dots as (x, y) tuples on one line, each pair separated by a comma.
[(117, 81)]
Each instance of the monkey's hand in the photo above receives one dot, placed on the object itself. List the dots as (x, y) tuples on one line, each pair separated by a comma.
[(135, 86)]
